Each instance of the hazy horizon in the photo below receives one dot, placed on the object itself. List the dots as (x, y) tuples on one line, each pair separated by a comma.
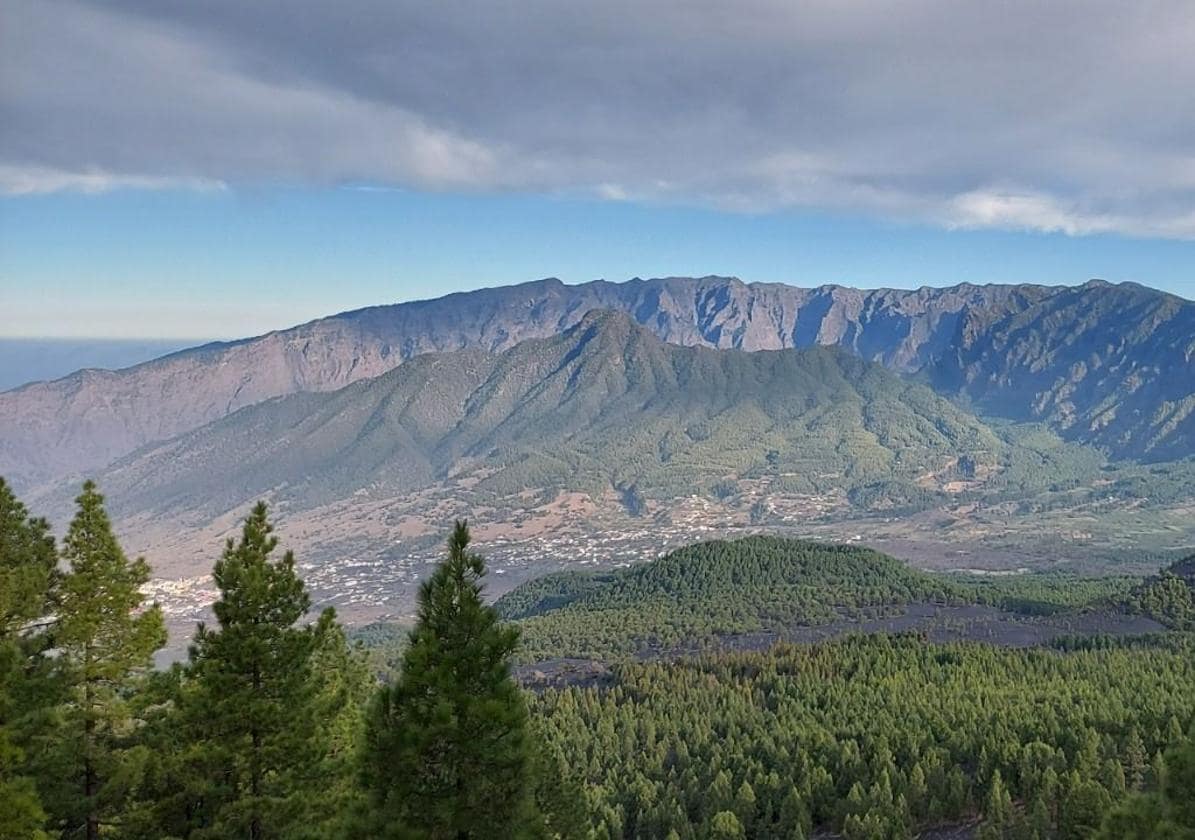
[(39, 359)]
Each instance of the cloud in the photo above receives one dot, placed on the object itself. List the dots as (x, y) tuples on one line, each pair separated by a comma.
[(1038, 212), (34, 180), (1068, 116)]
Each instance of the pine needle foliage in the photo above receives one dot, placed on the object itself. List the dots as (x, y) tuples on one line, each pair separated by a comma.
[(447, 749)]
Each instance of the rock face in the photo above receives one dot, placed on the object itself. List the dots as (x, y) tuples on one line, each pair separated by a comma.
[(1103, 364), (1111, 365)]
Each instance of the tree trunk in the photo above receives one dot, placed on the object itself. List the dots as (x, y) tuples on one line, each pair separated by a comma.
[(90, 781), (255, 832)]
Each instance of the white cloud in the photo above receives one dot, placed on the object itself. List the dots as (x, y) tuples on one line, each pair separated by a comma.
[(33, 180), (988, 208), (920, 109), (1039, 212)]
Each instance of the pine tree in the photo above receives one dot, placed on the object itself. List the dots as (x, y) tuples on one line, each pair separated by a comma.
[(343, 684), (997, 811), (1083, 808), (27, 563), (1041, 824), (1157, 769), (744, 805), (918, 791), (447, 745), (168, 785), (1179, 787), (720, 795), (794, 817), (105, 637), (1112, 778), (250, 703), (726, 826), (1136, 760), (559, 798)]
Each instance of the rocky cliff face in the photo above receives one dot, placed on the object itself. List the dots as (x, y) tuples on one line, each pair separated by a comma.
[(1109, 365), (1068, 356)]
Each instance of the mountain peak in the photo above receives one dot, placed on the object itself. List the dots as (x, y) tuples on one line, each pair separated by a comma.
[(613, 326), (604, 334), (606, 319)]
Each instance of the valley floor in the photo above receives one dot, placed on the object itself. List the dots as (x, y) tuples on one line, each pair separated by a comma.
[(367, 561)]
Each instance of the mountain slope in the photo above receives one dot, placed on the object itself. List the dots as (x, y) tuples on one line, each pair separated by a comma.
[(1009, 347), (1109, 365), (605, 406)]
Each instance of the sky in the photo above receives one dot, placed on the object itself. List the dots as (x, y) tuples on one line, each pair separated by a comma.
[(218, 169)]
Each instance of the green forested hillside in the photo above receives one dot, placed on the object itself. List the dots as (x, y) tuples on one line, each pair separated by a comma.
[(734, 568), (719, 587), (1169, 596), (696, 594), (605, 406), (875, 737)]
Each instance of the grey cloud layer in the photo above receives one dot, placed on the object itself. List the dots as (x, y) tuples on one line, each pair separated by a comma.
[(1072, 115)]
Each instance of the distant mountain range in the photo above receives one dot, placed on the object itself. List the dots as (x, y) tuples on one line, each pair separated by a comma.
[(604, 406), (1108, 365)]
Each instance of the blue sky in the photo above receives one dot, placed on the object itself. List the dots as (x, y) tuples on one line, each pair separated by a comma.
[(166, 263), (171, 168)]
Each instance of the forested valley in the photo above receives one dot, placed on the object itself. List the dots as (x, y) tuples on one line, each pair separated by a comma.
[(708, 718)]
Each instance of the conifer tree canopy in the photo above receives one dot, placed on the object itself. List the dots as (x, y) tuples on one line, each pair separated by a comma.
[(27, 560), (106, 639), (447, 748), (251, 702)]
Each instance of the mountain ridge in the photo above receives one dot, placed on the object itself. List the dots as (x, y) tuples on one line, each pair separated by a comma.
[(605, 404), (954, 336)]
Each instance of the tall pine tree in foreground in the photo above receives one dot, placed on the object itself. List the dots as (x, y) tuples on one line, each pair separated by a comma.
[(27, 563), (250, 702), (447, 753), (344, 685), (105, 637)]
